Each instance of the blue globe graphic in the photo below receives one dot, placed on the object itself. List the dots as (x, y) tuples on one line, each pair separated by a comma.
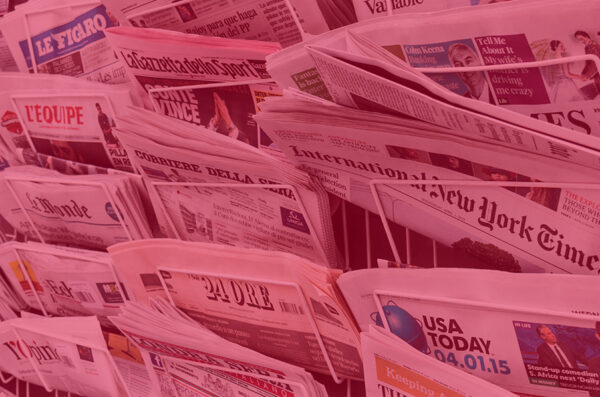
[(403, 325)]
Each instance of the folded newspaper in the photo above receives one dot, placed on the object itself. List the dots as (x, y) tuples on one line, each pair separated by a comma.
[(62, 353), (65, 37), (62, 281), (395, 368), (208, 187), (556, 98), (63, 117), (184, 358), (156, 58), (532, 334), (84, 211), (275, 303), (247, 19), (514, 212), (366, 9)]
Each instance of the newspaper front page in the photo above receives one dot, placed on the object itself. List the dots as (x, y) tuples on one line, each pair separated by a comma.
[(88, 211), (266, 305), (67, 282), (366, 9), (535, 228), (60, 353), (65, 37), (315, 16), (563, 94), (181, 363), (394, 367), (533, 334), (251, 19), (157, 58), (64, 118), (240, 209)]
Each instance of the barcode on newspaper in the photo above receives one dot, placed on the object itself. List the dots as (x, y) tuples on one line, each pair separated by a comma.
[(84, 297), (290, 308), (67, 361)]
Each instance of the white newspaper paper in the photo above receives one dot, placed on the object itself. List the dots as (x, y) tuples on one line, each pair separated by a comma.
[(533, 334), (65, 37), (275, 303), (63, 117), (67, 282), (88, 211), (67, 354), (393, 367)]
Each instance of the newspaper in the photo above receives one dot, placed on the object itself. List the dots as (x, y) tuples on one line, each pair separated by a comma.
[(262, 300), (562, 94), (65, 37), (67, 354), (366, 9), (62, 282), (63, 117), (394, 367), (538, 214), (250, 19), (237, 207), (87, 211), (156, 58), (129, 363), (226, 108), (221, 19), (499, 326), (184, 358), (7, 62)]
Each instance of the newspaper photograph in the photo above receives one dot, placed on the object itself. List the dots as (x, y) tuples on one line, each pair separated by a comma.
[(520, 345), (227, 109), (64, 37)]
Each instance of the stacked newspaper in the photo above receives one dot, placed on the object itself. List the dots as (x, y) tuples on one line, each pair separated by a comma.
[(275, 303), (395, 368), (184, 358), (211, 188), (533, 334), (559, 83), (537, 211), (64, 118), (248, 19), (62, 281), (157, 59), (10, 299), (64, 353), (84, 211), (65, 37)]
